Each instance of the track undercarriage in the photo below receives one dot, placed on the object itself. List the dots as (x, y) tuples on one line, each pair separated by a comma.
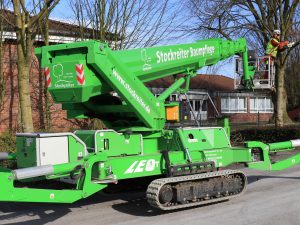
[(193, 190)]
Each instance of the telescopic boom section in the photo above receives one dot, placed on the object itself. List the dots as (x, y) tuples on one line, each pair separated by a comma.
[(83, 75)]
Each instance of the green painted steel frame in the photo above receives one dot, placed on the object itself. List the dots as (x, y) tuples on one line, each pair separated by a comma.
[(126, 72), (265, 163), (148, 164), (122, 167), (85, 186)]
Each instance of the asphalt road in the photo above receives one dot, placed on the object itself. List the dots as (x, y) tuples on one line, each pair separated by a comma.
[(271, 198)]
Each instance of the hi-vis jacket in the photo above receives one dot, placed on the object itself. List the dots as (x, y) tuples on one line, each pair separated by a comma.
[(272, 47)]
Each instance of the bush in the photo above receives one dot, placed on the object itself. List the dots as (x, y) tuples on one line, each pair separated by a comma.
[(8, 144), (265, 135)]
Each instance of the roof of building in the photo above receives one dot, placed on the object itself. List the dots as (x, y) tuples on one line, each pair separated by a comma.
[(202, 81), (58, 28)]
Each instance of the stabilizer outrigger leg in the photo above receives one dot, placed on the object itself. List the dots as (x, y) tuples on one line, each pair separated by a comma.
[(263, 151), (84, 185)]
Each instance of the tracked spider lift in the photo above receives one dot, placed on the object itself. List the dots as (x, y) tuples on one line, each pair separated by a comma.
[(81, 76)]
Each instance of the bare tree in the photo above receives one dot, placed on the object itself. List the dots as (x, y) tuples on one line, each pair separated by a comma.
[(26, 27), (293, 68), (255, 20), (293, 78), (127, 23)]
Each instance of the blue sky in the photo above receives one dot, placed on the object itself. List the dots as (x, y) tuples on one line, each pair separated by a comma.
[(62, 10)]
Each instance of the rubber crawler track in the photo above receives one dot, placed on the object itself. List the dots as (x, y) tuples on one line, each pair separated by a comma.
[(155, 186)]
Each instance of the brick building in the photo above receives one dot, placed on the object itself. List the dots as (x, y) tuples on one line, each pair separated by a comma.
[(59, 32)]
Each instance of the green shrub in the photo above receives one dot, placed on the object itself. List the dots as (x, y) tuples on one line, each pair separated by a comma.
[(268, 135), (8, 144)]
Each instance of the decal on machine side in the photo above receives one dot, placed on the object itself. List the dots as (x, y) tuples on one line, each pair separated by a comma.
[(142, 166)]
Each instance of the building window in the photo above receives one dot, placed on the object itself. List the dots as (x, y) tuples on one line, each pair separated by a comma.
[(261, 104), (172, 98), (204, 106), (233, 104), (197, 105)]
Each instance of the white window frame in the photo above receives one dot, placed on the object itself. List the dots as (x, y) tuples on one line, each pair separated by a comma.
[(239, 110), (265, 110)]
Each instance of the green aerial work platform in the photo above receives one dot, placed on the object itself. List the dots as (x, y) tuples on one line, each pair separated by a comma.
[(92, 81)]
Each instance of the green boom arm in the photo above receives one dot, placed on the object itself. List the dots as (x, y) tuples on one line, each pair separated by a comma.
[(81, 76)]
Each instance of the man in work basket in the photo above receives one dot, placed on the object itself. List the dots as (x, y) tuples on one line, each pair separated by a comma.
[(273, 47)]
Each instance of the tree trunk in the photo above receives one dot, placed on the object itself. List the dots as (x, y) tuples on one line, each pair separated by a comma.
[(281, 96), (24, 95), (46, 94), (2, 86), (26, 28), (42, 125), (44, 109), (24, 50)]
